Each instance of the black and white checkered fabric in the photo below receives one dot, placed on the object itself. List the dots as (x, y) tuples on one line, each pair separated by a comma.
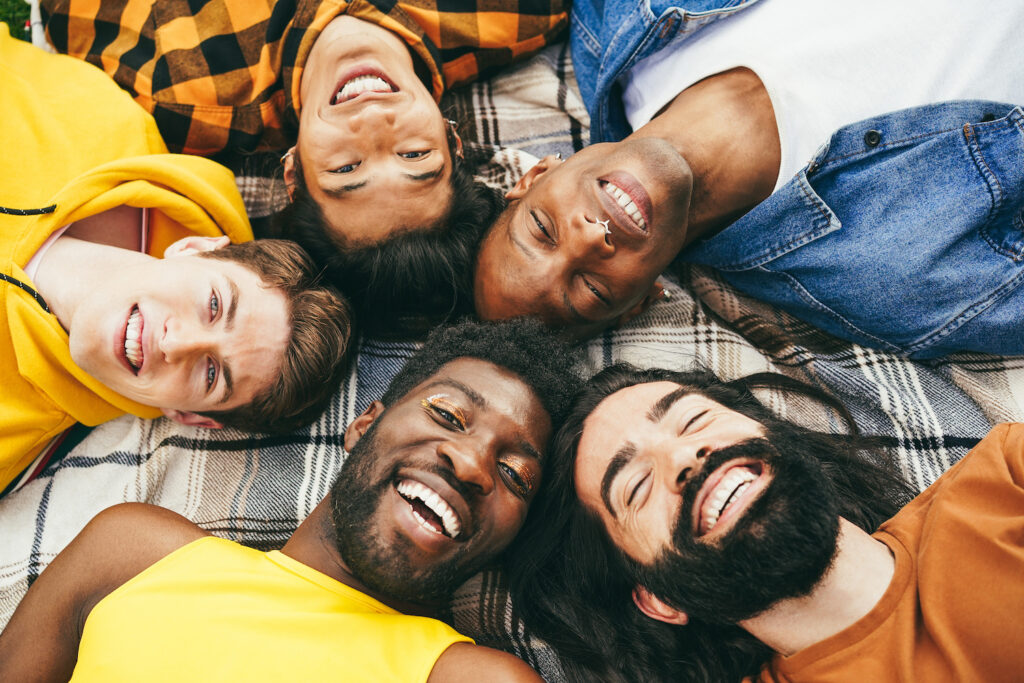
[(257, 490)]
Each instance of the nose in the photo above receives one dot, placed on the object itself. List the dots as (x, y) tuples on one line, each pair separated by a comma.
[(594, 235), (179, 343), (471, 461), (682, 459), (372, 117)]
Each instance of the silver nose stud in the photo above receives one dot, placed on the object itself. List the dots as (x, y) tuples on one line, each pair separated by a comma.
[(603, 224)]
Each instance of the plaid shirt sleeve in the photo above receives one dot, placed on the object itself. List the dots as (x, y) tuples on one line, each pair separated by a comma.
[(220, 77)]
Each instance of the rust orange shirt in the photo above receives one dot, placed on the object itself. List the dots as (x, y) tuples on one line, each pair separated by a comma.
[(954, 610)]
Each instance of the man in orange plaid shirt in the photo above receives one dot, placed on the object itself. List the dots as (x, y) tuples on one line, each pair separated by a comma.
[(350, 89)]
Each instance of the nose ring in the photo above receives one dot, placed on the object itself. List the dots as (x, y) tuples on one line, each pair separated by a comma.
[(603, 224)]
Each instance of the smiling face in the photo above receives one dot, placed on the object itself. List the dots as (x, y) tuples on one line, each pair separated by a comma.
[(440, 482), (587, 238), (721, 524), (183, 333), (372, 141)]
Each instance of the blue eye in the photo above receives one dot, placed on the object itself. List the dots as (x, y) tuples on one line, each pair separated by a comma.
[(214, 305), (347, 168), (211, 374), (413, 155)]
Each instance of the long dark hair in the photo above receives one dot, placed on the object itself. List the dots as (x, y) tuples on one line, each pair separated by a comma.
[(573, 588)]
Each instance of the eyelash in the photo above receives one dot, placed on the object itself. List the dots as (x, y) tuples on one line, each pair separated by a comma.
[(445, 410), (696, 418), (211, 374), (596, 293), (519, 479), (347, 168), (214, 305), (413, 155), (540, 226)]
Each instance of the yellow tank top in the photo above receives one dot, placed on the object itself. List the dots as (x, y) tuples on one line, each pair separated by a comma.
[(214, 610)]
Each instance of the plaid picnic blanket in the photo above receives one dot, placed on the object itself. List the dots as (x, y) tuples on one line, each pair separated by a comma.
[(257, 490)]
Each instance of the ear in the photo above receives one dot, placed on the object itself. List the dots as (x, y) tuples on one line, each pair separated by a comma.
[(358, 426), (530, 177), (195, 244), (654, 608), (192, 419), (458, 146), (288, 161), (656, 293)]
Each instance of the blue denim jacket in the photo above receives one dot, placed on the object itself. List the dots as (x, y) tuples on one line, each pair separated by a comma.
[(610, 36), (905, 232)]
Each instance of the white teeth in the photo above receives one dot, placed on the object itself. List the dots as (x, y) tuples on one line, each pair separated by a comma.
[(133, 339), (437, 504), (732, 486), (361, 84), (627, 204)]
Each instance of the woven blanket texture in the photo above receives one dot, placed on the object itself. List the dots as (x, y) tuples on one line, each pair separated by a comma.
[(256, 490)]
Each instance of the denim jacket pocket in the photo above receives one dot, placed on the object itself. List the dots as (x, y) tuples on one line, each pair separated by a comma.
[(905, 229)]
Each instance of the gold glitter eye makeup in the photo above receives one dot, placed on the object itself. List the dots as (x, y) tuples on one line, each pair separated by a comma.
[(519, 475), (439, 406)]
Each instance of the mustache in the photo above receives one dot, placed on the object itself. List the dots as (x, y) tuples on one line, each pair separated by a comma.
[(752, 449)]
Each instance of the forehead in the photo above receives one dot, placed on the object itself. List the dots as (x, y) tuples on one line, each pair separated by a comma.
[(620, 416)]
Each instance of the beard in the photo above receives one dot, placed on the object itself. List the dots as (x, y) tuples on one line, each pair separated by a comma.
[(780, 548), (386, 565)]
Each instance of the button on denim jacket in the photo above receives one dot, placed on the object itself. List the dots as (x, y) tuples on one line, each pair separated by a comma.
[(905, 232)]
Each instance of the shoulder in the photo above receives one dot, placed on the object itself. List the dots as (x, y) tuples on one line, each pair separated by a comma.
[(466, 662), (125, 539)]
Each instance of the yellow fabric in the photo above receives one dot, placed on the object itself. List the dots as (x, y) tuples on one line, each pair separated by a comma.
[(72, 138), (217, 611)]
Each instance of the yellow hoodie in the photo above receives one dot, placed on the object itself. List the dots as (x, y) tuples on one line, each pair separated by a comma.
[(72, 140)]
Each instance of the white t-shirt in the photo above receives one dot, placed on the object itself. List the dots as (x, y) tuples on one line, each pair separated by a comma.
[(829, 63)]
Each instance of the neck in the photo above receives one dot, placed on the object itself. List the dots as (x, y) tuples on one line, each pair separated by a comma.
[(724, 126), (71, 268), (860, 574), (313, 544)]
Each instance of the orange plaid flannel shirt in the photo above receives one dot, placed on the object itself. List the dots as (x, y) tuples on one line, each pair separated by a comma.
[(219, 76)]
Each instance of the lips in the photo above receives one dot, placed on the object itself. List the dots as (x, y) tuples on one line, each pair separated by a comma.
[(362, 82), (431, 509), (726, 494), (627, 203)]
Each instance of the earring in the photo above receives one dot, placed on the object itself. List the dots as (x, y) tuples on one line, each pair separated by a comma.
[(451, 123), (285, 156)]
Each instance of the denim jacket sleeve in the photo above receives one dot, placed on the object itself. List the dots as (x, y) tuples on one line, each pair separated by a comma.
[(609, 37)]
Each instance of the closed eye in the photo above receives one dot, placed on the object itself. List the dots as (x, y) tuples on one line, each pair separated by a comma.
[(595, 292), (693, 420), (632, 494), (540, 226), (347, 168)]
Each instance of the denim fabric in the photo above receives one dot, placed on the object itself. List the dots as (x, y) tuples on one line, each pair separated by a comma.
[(609, 36), (905, 232)]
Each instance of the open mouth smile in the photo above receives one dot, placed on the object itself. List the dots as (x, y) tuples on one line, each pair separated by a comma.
[(629, 206), (727, 493), (431, 510), (362, 82), (133, 340)]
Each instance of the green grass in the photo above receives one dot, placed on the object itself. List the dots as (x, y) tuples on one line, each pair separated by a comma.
[(15, 13)]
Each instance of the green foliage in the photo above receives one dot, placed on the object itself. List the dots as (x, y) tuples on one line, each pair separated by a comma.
[(15, 13)]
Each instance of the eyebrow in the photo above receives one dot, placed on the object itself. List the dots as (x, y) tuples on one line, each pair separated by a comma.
[(619, 460), (477, 400), (339, 192), (233, 306), (664, 403)]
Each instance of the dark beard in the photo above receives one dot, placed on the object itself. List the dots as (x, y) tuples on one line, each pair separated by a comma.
[(384, 565), (779, 549)]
